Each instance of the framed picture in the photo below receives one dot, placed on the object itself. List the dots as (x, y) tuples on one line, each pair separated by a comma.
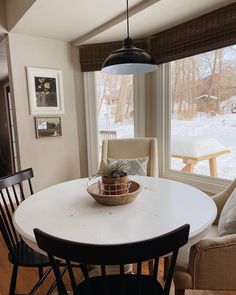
[(45, 91), (48, 126)]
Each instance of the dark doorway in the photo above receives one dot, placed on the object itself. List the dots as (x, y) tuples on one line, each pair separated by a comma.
[(8, 156)]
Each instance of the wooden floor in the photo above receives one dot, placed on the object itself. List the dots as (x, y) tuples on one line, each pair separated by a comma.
[(27, 278)]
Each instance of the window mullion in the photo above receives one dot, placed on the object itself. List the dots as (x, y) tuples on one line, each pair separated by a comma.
[(139, 105), (91, 121)]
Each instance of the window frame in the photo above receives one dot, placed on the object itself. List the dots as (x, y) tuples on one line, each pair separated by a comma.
[(90, 96), (91, 121), (162, 95)]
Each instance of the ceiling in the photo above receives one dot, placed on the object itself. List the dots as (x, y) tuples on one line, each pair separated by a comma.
[(97, 21), (100, 20), (160, 16), (57, 20)]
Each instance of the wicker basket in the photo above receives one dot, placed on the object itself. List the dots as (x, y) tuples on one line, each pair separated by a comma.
[(114, 200)]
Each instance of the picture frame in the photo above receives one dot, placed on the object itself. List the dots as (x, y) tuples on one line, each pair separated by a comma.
[(48, 127), (45, 89)]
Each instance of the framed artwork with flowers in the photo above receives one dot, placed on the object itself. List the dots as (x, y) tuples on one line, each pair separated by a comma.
[(45, 91)]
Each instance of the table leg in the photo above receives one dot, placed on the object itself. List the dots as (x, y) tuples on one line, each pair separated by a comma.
[(213, 167), (190, 164)]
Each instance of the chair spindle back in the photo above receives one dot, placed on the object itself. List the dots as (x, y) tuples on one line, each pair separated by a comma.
[(118, 254), (12, 194)]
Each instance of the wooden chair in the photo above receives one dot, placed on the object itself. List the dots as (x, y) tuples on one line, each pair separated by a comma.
[(104, 255), (12, 194)]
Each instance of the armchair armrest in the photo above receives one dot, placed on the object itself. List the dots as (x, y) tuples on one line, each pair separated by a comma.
[(212, 263), (220, 200)]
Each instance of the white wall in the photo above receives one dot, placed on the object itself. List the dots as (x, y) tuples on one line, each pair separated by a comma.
[(56, 159)]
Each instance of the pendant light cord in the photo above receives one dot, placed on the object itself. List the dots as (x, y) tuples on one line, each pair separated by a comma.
[(127, 16)]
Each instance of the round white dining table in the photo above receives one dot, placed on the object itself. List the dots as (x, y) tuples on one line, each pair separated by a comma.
[(67, 211)]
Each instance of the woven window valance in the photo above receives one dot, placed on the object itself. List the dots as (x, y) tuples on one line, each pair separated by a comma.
[(208, 32), (92, 56)]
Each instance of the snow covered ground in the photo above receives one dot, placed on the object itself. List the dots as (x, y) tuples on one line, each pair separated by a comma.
[(106, 121), (220, 127)]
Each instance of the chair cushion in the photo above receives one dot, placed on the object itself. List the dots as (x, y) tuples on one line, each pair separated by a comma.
[(137, 166), (227, 221), (114, 284), (221, 198)]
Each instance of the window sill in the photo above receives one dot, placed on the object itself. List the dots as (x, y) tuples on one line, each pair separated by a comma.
[(208, 184)]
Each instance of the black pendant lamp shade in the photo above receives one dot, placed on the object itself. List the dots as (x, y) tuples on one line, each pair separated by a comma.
[(128, 59)]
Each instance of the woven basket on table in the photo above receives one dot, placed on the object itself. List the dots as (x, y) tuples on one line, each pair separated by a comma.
[(114, 200)]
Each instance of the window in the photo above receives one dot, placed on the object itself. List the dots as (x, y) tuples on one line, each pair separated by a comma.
[(115, 106), (203, 113)]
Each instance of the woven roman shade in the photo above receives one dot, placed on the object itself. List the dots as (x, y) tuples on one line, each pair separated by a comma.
[(208, 32), (92, 56)]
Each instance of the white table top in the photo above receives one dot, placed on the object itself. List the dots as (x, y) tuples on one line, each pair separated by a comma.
[(67, 211)]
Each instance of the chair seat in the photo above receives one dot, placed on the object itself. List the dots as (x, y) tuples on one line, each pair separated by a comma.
[(130, 285), (25, 256)]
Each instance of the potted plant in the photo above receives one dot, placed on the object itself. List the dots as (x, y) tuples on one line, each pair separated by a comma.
[(114, 177)]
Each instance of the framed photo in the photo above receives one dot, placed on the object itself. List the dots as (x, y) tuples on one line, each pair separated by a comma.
[(48, 126), (45, 91)]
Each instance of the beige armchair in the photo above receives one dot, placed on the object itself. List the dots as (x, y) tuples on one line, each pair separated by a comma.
[(132, 148), (210, 264)]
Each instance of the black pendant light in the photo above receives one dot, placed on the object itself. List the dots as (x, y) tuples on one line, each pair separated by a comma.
[(128, 59)]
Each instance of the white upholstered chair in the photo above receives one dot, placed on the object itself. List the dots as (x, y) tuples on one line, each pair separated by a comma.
[(132, 148)]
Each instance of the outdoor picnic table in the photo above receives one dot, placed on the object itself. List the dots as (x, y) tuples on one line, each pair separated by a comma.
[(193, 149)]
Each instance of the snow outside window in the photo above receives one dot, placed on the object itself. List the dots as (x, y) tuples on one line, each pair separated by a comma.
[(203, 113), (115, 106)]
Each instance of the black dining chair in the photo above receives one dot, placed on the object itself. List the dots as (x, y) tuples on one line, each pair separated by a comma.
[(117, 254), (12, 190)]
